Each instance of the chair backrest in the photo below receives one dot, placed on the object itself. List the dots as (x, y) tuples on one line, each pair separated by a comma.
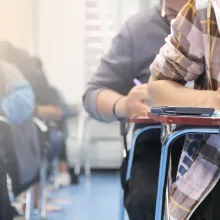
[(57, 140), (21, 151), (52, 139)]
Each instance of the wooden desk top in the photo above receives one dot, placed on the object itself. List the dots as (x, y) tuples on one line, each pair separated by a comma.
[(186, 120), (142, 120)]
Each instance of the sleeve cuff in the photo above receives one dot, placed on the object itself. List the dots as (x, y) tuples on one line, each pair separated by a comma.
[(89, 101), (160, 76)]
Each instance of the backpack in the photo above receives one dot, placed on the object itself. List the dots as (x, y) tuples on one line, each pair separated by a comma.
[(20, 150)]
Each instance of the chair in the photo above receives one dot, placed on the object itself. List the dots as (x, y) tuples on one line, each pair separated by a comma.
[(48, 151), (20, 156), (88, 136), (189, 125), (26, 140), (30, 194), (43, 129), (150, 125), (54, 139)]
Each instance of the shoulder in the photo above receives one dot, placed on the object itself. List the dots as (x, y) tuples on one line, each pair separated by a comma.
[(148, 28), (7, 68), (190, 17), (195, 7), (10, 72), (5, 65), (144, 21)]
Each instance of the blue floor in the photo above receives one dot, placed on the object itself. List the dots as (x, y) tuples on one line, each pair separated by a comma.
[(94, 199)]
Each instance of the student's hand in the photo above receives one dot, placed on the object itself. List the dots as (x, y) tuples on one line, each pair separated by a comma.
[(216, 100), (135, 101)]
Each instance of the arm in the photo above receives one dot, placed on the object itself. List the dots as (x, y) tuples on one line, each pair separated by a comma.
[(48, 101), (180, 60), (112, 80), (126, 60), (16, 95), (169, 93), (133, 104), (105, 106), (49, 112)]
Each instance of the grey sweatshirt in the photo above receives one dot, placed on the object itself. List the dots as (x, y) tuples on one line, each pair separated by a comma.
[(132, 52)]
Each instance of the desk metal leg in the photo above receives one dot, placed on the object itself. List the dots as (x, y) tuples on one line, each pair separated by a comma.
[(86, 156), (55, 171), (10, 190), (43, 183), (122, 210), (133, 144), (164, 162), (29, 210), (80, 142), (130, 161)]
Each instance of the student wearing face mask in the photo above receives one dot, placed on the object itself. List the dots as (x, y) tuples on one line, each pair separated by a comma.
[(17, 104), (48, 102), (16, 96), (111, 95), (192, 52)]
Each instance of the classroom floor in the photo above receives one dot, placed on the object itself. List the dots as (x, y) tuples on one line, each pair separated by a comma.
[(95, 199)]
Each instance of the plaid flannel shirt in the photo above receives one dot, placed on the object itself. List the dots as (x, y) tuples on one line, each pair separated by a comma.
[(191, 53)]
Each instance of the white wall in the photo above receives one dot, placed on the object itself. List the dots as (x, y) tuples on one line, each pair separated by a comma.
[(60, 40), (55, 30), (144, 4), (129, 8), (16, 22), (60, 44)]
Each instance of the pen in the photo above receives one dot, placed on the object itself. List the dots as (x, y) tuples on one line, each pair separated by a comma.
[(137, 82)]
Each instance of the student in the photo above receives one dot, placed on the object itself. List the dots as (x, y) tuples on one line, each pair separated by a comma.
[(47, 99), (111, 95), (17, 102), (49, 106), (191, 52)]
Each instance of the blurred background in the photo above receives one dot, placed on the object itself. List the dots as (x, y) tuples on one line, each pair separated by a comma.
[(69, 37), (62, 32)]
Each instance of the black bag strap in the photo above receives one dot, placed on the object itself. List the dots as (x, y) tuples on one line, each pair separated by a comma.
[(124, 128)]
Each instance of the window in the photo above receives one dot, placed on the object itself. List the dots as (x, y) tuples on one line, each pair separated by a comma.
[(100, 28)]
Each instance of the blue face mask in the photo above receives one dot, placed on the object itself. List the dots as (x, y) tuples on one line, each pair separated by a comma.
[(19, 104)]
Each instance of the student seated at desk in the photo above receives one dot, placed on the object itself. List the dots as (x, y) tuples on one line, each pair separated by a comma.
[(111, 95), (49, 106), (191, 52), (17, 103), (48, 101)]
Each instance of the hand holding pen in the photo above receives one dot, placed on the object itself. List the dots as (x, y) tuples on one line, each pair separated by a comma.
[(137, 82), (136, 100)]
